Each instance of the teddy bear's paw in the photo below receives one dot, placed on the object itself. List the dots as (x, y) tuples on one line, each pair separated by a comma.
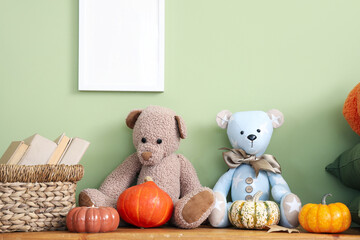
[(85, 200), (93, 197), (199, 204), (193, 209), (218, 216), (290, 207)]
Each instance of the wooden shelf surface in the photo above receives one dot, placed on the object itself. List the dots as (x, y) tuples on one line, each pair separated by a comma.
[(203, 232)]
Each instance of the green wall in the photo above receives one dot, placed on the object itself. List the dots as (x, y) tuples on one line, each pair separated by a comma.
[(301, 57)]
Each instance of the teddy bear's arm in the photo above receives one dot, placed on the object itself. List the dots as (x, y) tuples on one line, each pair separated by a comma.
[(279, 186), (189, 180), (122, 177), (289, 203), (224, 182)]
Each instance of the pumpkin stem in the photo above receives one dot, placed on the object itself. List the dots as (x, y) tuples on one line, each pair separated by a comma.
[(148, 179), (257, 196), (323, 201)]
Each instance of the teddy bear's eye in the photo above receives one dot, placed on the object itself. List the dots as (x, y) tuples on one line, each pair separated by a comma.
[(159, 141), (143, 140), (258, 130), (242, 132)]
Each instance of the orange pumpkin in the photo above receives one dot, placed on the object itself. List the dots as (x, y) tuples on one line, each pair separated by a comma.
[(322, 218), (92, 219), (145, 205)]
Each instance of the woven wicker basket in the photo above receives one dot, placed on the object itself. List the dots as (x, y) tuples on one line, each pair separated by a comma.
[(37, 198)]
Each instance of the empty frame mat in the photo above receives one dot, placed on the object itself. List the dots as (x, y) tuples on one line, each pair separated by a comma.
[(121, 45)]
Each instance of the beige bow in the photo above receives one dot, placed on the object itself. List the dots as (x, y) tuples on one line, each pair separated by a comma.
[(235, 157)]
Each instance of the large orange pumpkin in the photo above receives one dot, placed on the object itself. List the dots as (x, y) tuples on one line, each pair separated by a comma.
[(322, 218), (145, 205), (92, 219)]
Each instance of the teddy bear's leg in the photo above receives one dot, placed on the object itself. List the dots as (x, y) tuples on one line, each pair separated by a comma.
[(114, 184), (289, 210), (219, 216), (93, 197), (194, 208)]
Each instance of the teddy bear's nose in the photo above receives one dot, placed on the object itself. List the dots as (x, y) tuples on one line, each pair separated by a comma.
[(251, 137), (146, 155)]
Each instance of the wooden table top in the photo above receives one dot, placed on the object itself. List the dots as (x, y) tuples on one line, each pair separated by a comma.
[(203, 232)]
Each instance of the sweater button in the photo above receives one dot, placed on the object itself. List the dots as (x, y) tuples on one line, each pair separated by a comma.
[(249, 189), (249, 180), (248, 197)]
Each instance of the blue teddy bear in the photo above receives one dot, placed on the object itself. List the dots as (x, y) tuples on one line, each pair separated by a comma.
[(250, 169)]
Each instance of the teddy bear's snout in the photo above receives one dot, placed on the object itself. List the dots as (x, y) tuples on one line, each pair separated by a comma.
[(251, 137), (146, 155)]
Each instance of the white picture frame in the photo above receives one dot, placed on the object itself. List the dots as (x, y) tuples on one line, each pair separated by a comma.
[(121, 45)]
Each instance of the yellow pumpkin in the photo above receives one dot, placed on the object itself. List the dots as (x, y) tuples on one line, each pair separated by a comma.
[(254, 214), (322, 218)]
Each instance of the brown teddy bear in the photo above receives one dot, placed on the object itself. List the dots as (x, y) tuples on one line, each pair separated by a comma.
[(156, 136)]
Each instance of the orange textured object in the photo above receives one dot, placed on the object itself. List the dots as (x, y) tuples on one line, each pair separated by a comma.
[(351, 109), (145, 205), (92, 219), (322, 218)]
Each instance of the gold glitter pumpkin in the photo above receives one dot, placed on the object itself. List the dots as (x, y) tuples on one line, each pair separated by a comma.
[(254, 214)]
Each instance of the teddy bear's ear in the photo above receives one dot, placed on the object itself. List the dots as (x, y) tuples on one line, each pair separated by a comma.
[(181, 126), (132, 117), (276, 117), (222, 118)]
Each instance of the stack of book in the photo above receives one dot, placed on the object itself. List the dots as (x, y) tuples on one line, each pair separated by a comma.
[(37, 150)]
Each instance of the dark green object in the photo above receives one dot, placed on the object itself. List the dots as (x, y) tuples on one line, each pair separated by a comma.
[(355, 210), (347, 167)]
